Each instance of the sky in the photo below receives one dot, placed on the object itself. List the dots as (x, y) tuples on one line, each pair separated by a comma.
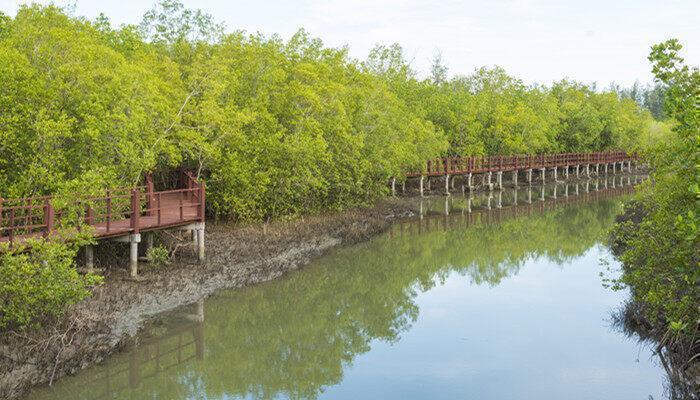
[(538, 41)]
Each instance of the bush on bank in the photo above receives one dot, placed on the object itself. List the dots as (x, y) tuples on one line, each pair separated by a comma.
[(39, 280), (657, 240)]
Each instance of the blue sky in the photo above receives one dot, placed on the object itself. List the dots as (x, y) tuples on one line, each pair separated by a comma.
[(537, 41)]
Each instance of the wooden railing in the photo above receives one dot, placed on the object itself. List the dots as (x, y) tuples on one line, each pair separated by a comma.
[(119, 211), (466, 165)]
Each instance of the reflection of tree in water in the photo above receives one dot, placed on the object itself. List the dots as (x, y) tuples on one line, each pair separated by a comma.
[(681, 382), (293, 337)]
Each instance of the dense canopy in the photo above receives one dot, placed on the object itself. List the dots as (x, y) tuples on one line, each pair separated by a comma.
[(275, 127)]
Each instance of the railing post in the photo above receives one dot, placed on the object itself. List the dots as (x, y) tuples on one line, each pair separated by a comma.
[(12, 225), (182, 216), (108, 202), (89, 215), (158, 205), (135, 211), (48, 217)]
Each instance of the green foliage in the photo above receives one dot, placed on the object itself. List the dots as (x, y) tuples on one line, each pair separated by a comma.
[(39, 280), (275, 127), (158, 256), (658, 239)]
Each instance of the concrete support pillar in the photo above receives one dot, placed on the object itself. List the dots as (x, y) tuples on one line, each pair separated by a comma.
[(393, 187), (629, 166), (597, 169), (529, 177), (489, 181), (447, 185), (452, 183), (566, 172), (89, 258), (605, 168), (543, 171), (588, 170), (515, 179), (499, 180), (200, 241), (577, 171), (134, 241), (422, 178), (470, 184), (428, 179), (403, 187), (555, 174)]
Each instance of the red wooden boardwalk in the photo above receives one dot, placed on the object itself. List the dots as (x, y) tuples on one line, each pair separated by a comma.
[(119, 212), (467, 165)]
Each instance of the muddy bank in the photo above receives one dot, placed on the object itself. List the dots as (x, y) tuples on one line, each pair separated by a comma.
[(236, 257)]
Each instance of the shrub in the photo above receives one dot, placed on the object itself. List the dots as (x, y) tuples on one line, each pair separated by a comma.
[(158, 256), (38, 280)]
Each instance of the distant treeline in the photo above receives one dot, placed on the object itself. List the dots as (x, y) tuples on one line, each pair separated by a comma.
[(276, 127)]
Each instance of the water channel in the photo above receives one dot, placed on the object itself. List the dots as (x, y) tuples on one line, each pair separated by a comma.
[(486, 297)]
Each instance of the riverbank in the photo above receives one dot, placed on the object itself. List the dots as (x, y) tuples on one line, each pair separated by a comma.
[(236, 257)]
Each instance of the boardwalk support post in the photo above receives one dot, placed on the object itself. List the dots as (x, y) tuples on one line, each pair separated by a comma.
[(393, 187), (543, 171), (577, 171), (199, 227), (588, 170), (499, 180), (488, 180), (469, 181), (421, 185), (529, 177), (447, 185), (515, 179), (555, 174), (134, 241), (566, 172)]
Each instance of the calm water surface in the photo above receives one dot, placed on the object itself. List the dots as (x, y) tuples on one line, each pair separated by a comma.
[(478, 299)]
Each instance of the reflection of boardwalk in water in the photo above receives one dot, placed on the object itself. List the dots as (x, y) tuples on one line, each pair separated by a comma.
[(461, 212), (141, 363)]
